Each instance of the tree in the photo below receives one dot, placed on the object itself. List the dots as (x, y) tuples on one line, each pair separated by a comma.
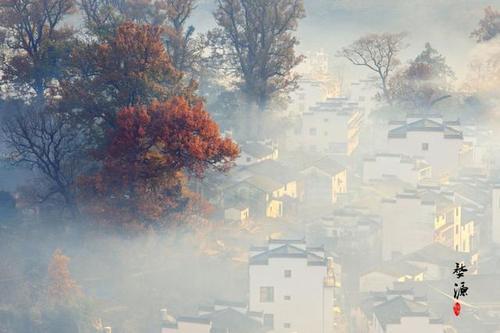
[(102, 17), (489, 25), (423, 82), (38, 45), (377, 52), (44, 141), (149, 155), (255, 40), (62, 289), (184, 48), (131, 68)]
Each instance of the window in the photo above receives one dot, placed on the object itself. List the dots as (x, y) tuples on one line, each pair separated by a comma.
[(287, 325), (457, 211), (326, 133), (268, 320), (425, 146), (287, 297), (312, 131), (288, 273), (266, 294), (325, 120), (249, 159)]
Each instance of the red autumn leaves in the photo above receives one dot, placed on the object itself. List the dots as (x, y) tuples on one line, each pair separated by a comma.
[(153, 147)]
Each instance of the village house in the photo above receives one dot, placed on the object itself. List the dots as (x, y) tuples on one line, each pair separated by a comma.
[(430, 138), (435, 218), (402, 315), (222, 317), (324, 180), (383, 277), (435, 259), (255, 152), (293, 285), (408, 169), (330, 127), (237, 213), (399, 309), (314, 85), (268, 189), (264, 196)]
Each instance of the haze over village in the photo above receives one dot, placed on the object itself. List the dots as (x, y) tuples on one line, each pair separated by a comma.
[(249, 166)]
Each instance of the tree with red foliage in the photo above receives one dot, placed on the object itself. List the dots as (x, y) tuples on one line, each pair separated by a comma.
[(131, 68), (150, 154)]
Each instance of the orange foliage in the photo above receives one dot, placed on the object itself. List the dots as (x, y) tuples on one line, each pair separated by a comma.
[(150, 154), (62, 288), (131, 68)]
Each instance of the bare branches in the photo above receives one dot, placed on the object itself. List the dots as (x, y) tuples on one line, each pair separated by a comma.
[(33, 36), (45, 142), (377, 52)]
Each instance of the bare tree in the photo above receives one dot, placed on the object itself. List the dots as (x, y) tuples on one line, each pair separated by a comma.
[(43, 141), (182, 45), (255, 39), (102, 17), (31, 31), (377, 52)]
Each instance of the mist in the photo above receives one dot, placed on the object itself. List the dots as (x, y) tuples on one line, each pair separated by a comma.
[(151, 182)]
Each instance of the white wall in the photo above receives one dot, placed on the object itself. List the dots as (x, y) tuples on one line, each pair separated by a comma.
[(443, 153), (414, 325), (403, 231), (310, 309), (390, 165)]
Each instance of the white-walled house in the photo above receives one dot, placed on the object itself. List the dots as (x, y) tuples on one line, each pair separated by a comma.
[(221, 317), (324, 180), (435, 217), (401, 315), (309, 92), (437, 142), (330, 127), (293, 285), (255, 152), (383, 277), (408, 169), (402, 232)]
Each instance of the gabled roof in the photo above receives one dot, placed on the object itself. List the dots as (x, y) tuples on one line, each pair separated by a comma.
[(263, 183), (425, 125), (274, 170), (436, 253), (232, 321), (392, 311), (287, 251), (328, 165), (399, 268), (256, 149)]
